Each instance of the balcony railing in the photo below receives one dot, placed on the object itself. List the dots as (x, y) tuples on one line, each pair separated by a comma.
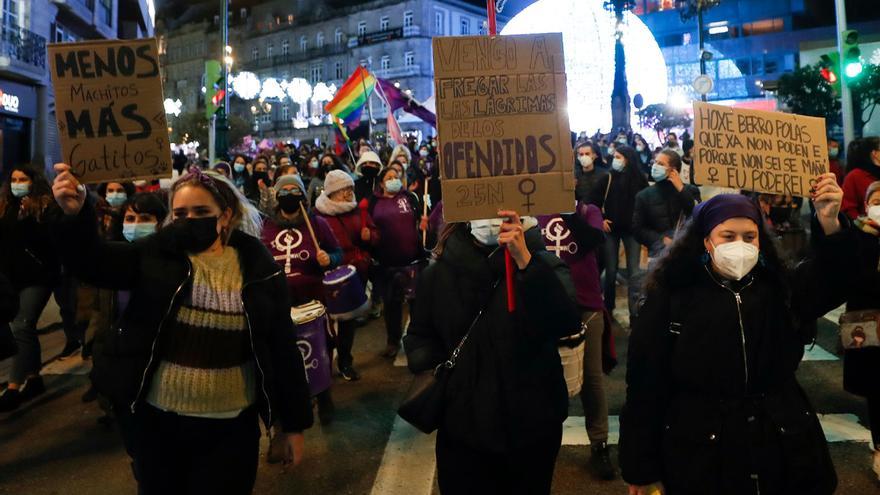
[(385, 35), (294, 56), (24, 46), (403, 71)]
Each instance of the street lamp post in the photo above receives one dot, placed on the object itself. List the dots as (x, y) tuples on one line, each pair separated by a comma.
[(695, 8), (845, 92), (221, 122)]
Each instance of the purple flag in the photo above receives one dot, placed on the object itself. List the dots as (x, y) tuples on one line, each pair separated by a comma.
[(397, 99)]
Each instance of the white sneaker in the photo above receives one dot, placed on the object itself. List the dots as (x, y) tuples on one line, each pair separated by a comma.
[(876, 465)]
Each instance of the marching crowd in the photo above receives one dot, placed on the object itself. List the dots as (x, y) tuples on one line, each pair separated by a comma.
[(216, 301)]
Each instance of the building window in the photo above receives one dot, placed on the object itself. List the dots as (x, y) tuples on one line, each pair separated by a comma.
[(386, 62), (465, 27), (105, 11), (408, 19), (285, 47), (337, 70), (11, 13), (243, 13), (362, 28), (763, 27), (269, 49), (383, 23), (266, 117), (317, 74), (255, 54), (303, 43), (319, 40), (409, 59), (439, 23), (337, 37), (285, 112)]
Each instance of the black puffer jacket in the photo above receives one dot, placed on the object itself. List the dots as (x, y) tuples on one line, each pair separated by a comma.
[(158, 277), (659, 209), (507, 387), (710, 402), (862, 366), (585, 190), (8, 300)]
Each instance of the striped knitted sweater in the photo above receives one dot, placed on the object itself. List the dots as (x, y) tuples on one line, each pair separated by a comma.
[(206, 367)]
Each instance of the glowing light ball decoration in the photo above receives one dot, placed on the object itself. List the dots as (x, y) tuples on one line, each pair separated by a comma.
[(246, 85), (272, 90), (588, 35), (322, 92), (299, 90)]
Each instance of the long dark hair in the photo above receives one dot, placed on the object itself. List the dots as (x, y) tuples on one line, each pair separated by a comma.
[(688, 252), (633, 168), (858, 154), (40, 194)]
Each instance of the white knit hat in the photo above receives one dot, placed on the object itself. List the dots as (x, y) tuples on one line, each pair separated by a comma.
[(336, 180), (368, 156)]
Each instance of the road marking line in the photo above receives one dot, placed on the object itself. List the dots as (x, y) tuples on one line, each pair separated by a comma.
[(409, 463), (837, 428), (818, 354)]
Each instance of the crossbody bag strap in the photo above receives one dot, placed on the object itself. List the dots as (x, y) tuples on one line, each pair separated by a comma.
[(607, 189), (450, 363)]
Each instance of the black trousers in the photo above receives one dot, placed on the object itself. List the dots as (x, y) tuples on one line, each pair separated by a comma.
[(528, 470), (345, 342), (176, 454)]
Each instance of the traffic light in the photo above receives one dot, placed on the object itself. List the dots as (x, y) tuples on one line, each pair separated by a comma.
[(215, 90), (830, 69), (852, 54)]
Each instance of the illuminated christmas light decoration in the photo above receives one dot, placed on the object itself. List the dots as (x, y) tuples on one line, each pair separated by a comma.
[(300, 123), (173, 107), (272, 90), (322, 92), (246, 85), (299, 90), (588, 33)]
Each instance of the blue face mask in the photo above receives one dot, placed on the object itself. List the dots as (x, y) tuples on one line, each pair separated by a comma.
[(20, 190), (393, 186), (239, 167), (658, 172), (116, 198), (618, 164), (135, 231)]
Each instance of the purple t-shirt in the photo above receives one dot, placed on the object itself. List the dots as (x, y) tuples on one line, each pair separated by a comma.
[(399, 239), (584, 268), (294, 250)]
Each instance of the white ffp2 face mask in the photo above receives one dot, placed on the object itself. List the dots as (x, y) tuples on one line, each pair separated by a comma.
[(735, 259), (874, 213), (486, 231)]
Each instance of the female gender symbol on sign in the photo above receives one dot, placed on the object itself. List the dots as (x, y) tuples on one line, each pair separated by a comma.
[(527, 187)]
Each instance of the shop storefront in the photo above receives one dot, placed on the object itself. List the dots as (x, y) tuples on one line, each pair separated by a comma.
[(18, 110)]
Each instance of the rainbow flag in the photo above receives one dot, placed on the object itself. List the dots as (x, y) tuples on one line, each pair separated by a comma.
[(352, 96)]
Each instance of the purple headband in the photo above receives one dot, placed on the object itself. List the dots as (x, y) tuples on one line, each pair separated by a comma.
[(709, 214)]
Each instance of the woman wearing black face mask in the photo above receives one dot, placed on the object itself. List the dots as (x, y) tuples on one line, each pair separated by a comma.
[(206, 344), (290, 242)]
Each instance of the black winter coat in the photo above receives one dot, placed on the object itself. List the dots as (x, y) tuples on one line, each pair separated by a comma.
[(659, 209), (8, 301), (507, 389), (585, 188), (621, 199), (27, 254), (712, 402), (158, 276), (862, 366)]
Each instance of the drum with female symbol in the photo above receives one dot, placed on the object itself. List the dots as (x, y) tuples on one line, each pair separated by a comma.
[(345, 294), (311, 328)]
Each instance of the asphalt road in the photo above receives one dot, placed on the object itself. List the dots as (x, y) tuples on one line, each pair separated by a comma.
[(54, 444)]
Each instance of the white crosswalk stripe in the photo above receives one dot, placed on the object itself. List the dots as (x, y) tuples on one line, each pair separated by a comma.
[(408, 465)]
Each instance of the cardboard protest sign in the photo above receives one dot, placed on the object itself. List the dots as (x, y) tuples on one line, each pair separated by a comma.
[(502, 125), (768, 152), (109, 109)]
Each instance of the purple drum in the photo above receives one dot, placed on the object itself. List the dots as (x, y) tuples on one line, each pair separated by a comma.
[(311, 329), (345, 294)]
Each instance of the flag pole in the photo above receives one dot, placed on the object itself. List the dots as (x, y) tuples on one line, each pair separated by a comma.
[(369, 105)]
